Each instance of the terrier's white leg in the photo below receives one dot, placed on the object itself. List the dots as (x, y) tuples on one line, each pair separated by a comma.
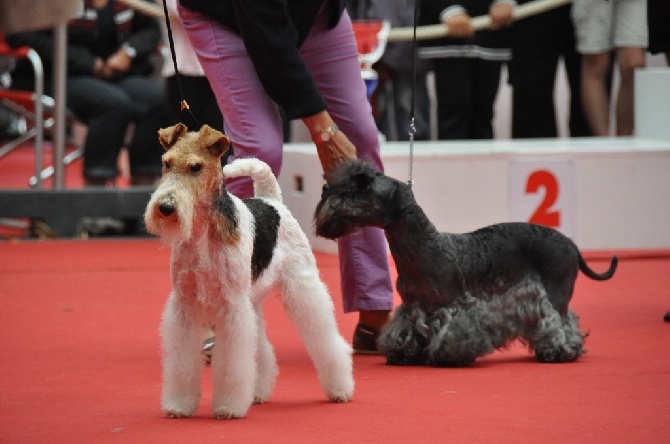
[(182, 362), (309, 305), (234, 359), (266, 362)]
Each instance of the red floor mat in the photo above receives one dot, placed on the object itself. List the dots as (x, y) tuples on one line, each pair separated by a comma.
[(80, 363)]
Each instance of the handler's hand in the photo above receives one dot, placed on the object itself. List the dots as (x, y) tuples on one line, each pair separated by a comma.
[(332, 145), (118, 64)]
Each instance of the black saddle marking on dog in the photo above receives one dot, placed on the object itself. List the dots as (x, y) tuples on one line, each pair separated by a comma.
[(226, 207), (265, 235)]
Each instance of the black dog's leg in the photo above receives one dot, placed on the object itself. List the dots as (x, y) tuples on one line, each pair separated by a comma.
[(472, 327), (405, 337), (458, 335), (557, 338)]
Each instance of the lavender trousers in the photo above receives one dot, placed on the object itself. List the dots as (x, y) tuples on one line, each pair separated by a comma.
[(253, 123)]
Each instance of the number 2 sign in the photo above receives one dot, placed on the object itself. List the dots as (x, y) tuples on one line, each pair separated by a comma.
[(541, 192)]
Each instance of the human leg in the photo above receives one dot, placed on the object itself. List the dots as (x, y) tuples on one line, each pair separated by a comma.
[(595, 98), (251, 119), (484, 92), (453, 85), (593, 21), (403, 85), (630, 40), (629, 60), (365, 275), (144, 150), (533, 110), (106, 110), (572, 61), (658, 12)]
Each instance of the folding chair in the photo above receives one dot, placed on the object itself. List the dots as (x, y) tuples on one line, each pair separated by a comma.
[(36, 108)]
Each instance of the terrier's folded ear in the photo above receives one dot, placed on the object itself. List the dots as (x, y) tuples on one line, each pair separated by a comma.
[(216, 142), (169, 136)]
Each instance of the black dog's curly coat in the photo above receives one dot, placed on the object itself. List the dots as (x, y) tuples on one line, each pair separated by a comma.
[(463, 295)]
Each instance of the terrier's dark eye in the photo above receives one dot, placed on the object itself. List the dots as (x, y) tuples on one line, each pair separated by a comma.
[(167, 165), (195, 168), (325, 189)]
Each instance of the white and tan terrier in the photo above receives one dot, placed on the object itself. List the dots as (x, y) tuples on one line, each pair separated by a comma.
[(227, 254)]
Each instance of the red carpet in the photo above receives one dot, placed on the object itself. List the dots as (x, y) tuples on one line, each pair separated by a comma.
[(17, 167), (81, 364)]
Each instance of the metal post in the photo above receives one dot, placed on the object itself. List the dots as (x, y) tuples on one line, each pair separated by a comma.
[(60, 72), (39, 114)]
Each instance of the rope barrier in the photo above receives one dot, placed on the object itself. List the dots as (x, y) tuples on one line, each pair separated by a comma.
[(145, 7), (478, 23), (396, 34)]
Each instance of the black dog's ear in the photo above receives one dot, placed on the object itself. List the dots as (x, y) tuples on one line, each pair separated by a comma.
[(362, 181), (168, 136), (325, 190)]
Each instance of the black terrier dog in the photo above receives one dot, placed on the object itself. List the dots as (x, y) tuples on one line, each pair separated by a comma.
[(463, 295)]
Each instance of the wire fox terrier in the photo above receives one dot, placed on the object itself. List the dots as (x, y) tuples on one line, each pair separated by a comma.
[(227, 254), (463, 295)]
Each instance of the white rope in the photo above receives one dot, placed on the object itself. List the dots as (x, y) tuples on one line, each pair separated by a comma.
[(478, 23), (422, 32), (145, 7)]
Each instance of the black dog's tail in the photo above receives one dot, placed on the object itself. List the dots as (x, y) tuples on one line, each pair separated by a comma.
[(596, 276)]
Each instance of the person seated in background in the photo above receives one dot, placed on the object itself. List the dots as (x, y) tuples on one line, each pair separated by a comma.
[(108, 86)]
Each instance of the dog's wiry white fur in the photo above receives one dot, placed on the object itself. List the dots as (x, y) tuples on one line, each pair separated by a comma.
[(213, 287)]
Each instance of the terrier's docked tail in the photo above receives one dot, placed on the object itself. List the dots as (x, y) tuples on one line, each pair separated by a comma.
[(265, 182), (598, 276)]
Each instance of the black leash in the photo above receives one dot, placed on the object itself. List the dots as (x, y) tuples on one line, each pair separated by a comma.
[(412, 126), (183, 104)]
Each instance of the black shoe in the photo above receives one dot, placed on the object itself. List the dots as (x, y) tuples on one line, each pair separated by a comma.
[(365, 340)]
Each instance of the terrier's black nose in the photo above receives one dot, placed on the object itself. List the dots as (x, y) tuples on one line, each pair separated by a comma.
[(166, 209)]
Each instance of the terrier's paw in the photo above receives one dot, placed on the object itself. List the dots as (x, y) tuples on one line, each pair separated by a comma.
[(176, 414), (339, 398), (343, 393), (180, 407), (262, 392), (225, 412)]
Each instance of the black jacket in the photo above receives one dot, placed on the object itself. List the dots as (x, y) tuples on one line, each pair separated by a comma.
[(273, 31)]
